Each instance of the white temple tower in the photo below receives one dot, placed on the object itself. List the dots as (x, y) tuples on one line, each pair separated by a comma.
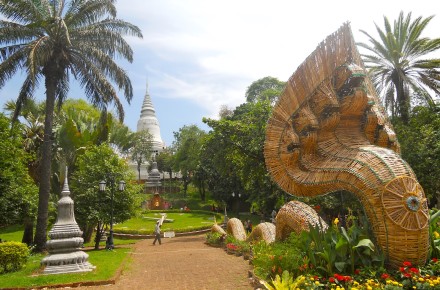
[(148, 121)]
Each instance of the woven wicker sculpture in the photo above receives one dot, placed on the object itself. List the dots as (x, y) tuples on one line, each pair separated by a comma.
[(328, 133), (236, 229), (263, 232), (217, 229), (296, 216)]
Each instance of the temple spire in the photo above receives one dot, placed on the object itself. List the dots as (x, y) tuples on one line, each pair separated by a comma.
[(148, 121)]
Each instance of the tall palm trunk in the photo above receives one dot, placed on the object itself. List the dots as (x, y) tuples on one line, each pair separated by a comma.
[(45, 167)]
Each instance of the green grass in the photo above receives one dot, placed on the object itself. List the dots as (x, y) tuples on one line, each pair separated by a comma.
[(15, 233), (183, 222), (12, 233), (106, 262)]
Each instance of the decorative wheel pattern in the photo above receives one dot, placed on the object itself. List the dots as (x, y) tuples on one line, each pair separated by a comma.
[(405, 203)]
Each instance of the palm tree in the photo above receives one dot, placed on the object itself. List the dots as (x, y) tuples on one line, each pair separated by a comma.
[(53, 39), (399, 65)]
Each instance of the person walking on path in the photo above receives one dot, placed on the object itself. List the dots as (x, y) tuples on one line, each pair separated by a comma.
[(157, 233)]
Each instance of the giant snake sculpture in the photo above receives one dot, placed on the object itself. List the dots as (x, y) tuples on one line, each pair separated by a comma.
[(329, 133)]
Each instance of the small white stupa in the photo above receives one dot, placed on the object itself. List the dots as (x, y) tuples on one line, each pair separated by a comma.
[(64, 246)]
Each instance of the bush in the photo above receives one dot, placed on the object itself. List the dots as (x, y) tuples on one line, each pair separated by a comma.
[(214, 239), (13, 256), (272, 259)]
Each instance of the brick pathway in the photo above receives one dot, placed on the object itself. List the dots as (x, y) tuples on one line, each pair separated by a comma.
[(182, 263)]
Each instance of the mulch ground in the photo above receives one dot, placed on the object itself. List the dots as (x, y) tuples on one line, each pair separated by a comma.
[(182, 263)]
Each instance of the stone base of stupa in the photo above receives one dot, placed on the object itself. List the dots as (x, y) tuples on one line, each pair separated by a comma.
[(73, 262)]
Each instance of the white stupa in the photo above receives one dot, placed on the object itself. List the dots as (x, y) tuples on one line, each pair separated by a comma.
[(148, 121)]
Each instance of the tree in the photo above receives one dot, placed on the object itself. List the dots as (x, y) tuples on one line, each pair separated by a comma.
[(399, 65), (142, 149), (267, 88), (233, 160), (93, 208), (420, 145), (52, 40), (18, 194), (165, 161), (187, 143)]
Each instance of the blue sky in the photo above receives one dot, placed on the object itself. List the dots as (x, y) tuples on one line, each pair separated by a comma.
[(200, 54)]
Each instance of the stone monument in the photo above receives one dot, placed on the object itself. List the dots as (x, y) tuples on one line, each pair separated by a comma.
[(153, 179), (64, 246)]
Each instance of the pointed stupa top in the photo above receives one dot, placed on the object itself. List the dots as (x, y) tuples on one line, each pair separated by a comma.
[(148, 121)]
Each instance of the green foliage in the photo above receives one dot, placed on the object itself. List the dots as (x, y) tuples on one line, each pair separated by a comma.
[(272, 259), (265, 89), (233, 160), (187, 145), (434, 233), (340, 250), (142, 149), (420, 146), (49, 45), (399, 63), (285, 282), (13, 256), (92, 207), (18, 194), (214, 238)]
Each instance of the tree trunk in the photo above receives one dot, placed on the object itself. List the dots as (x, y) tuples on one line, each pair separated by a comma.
[(98, 236), (45, 167), (203, 193), (28, 234), (88, 232)]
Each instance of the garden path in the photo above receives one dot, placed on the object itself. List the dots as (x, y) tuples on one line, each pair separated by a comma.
[(182, 263)]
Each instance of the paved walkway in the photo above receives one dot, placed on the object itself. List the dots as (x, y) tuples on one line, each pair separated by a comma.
[(182, 263)]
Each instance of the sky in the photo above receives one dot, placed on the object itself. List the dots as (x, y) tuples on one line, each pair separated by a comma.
[(198, 55)]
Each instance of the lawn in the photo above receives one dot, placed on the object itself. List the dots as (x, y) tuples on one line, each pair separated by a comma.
[(181, 222), (107, 263)]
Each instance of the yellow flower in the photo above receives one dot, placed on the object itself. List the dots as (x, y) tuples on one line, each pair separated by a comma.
[(436, 235), (316, 282), (312, 279), (336, 221), (369, 287), (421, 279)]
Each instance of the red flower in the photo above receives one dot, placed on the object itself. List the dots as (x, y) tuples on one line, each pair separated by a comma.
[(414, 270), (407, 275), (280, 270), (331, 280), (434, 260), (407, 264), (401, 269), (385, 276), (316, 278), (357, 271)]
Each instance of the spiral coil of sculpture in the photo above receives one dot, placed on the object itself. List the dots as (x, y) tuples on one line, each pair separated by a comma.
[(328, 132)]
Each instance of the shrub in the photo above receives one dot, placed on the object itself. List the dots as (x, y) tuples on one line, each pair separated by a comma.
[(13, 255), (272, 259), (215, 239)]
